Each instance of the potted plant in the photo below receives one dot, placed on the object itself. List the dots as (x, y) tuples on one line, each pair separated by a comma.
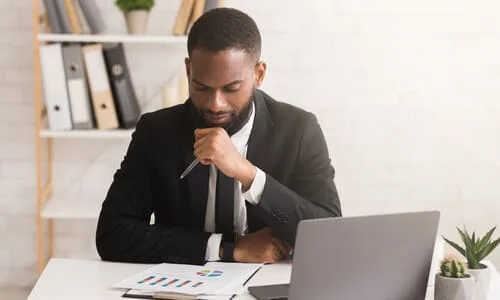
[(452, 282), (136, 14), (475, 250)]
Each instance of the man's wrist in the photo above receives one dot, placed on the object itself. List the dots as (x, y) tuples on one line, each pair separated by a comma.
[(247, 174)]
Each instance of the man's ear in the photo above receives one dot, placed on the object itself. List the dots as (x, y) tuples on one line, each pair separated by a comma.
[(260, 73), (187, 63)]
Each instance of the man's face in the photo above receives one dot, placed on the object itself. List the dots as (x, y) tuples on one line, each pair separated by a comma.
[(221, 85)]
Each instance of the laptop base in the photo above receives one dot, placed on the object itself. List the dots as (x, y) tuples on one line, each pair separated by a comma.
[(270, 292)]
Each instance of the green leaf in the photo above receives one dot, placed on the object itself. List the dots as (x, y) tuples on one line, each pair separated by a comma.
[(456, 246), (466, 239), (471, 259), (487, 250), (486, 238)]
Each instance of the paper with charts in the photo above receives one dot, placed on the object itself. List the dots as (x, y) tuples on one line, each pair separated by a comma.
[(214, 278)]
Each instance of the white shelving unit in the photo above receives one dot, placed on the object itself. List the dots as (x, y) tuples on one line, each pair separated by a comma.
[(87, 134), (51, 205), (112, 38)]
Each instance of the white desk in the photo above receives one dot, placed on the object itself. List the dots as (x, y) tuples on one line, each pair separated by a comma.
[(90, 280)]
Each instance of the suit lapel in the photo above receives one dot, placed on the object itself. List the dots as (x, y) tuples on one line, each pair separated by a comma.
[(261, 133), (197, 179)]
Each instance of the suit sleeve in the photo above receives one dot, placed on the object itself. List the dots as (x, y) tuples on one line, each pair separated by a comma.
[(124, 232), (311, 192)]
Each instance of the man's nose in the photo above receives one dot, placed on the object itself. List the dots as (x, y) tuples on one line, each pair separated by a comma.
[(216, 101)]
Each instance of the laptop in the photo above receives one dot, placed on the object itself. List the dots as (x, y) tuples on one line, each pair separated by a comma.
[(377, 257)]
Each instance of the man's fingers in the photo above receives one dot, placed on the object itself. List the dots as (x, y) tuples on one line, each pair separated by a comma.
[(199, 142), (282, 248), (202, 132), (198, 133)]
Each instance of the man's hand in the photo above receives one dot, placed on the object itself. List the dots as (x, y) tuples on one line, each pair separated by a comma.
[(214, 146), (260, 247)]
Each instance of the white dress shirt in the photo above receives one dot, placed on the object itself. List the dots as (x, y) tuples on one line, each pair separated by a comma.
[(252, 195)]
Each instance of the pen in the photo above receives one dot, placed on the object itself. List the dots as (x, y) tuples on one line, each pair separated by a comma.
[(189, 168), (194, 163)]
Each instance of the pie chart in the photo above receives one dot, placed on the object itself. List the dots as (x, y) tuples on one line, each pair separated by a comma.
[(209, 273)]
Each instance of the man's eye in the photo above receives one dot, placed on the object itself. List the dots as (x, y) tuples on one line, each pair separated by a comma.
[(201, 88), (231, 89)]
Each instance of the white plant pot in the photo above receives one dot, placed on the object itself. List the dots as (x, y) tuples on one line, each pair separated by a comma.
[(446, 288), (482, 278), (137, 21)]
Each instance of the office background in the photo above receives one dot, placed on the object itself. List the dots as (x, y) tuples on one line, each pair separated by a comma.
[(407, 93)]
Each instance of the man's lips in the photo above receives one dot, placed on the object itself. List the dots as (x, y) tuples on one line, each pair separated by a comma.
[(217, 119)]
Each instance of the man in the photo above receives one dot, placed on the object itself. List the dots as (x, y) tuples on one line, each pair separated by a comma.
[(264, 165)]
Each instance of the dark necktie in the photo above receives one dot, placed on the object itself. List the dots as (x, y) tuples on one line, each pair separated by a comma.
[(224, 204)]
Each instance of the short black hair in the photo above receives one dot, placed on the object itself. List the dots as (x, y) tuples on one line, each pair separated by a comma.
[(225, 28)]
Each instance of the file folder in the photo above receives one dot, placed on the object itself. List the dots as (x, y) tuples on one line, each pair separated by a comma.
[(54, 87), (63, 16), (81, 113), (121, 85), (52, 15), (92, 15), (72, 17), (81, 18), (102, 98), (182, 19)]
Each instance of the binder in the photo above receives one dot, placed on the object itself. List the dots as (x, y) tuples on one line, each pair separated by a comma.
[(182, 19), (211, 4), (198, 9), (92, 15), (72, 16), (51, 10), (81, 17), (121, 85), (63, 16), (81, 113), (102, 98), (54, 87)]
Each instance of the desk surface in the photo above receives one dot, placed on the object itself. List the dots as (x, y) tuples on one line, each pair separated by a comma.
[(91, 280)]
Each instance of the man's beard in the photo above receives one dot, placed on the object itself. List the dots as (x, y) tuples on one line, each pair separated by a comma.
[(237, 120)]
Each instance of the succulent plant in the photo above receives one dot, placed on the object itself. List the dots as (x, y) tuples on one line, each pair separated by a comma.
[(128, 5), (476, 248), (452, 267)]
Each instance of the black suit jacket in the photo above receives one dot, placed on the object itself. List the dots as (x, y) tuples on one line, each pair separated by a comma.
[(286, 143)]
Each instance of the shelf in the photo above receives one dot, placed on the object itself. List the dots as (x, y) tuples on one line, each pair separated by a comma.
[(91, 133), (112, 38), (71, 206)]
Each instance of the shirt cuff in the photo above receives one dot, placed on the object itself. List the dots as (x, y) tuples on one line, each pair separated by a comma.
[(254, 193), (213, 247)]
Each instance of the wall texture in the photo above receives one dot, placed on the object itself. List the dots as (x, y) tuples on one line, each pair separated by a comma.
[(406, 93)]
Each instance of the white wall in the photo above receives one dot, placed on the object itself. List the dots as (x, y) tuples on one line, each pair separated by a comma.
[(406, 93)]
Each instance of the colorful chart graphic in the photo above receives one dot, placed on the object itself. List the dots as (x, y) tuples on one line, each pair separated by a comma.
[(145, 279), (155, 280), (158, 281), (171, 282), (209, 273)]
